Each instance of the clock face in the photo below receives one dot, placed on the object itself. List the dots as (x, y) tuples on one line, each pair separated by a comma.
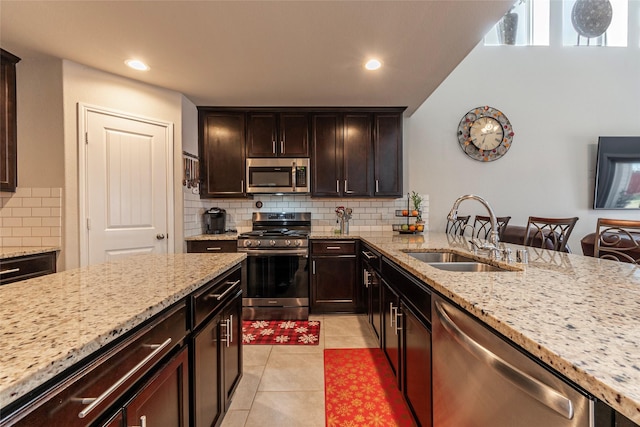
[(485, 134)]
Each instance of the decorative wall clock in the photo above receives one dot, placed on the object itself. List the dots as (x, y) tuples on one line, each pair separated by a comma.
[(485, 134)]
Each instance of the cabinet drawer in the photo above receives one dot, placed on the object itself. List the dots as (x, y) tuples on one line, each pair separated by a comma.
[(212, 246), (108, 377), (334, 247), (213, 295), (26, 267)]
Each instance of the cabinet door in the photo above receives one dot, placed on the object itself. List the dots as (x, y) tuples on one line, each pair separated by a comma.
[(164, 401), (390, 337), (417, 367), (222, 154), (333, 284), (375, 317), (8, 130), (262, 135), (326, 156), (358, 156), (207, 401), (387, 149), (231, 334), (294, 135)]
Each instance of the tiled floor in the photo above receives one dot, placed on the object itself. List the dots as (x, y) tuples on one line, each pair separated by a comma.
[(284, 385)]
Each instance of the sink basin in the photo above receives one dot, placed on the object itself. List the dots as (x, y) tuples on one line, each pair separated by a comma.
[(445, 257), (465, 266)]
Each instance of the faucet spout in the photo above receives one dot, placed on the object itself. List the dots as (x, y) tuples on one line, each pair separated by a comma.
[(493, 237)]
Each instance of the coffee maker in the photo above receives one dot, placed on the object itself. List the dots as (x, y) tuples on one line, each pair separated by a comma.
[(215, 221)]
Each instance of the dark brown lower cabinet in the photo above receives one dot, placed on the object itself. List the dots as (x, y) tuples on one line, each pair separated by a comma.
[(206, 393), (334, 282), (164, 400), (231, 349), (390, 337), (416, 363)]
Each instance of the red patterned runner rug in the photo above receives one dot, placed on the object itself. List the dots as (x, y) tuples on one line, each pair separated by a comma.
[(276, 332), (360, 390)]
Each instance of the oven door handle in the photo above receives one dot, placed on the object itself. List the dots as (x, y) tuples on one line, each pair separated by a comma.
[(262, 252)]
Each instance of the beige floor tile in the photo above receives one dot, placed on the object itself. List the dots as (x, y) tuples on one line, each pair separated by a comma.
[(246, 391), (293, 372), (341, 325), (368, 341), (255, 355), (235, 419), (287, 409)]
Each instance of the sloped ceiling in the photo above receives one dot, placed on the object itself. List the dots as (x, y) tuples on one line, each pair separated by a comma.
[(261, 53)]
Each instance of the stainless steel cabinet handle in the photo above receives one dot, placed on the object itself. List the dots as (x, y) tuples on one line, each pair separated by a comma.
[(214, 249), (313, 267), (228, 334), (337, 186), (525, 382), (398, 316), (241, 185), (392, 316), (365, 278), (377, 186), (160, 236), (333, 248), (231, 326), (222, 295), (143, 421), (281, 147), (273, 144), (11, 270), (95, 401), (369, 255)]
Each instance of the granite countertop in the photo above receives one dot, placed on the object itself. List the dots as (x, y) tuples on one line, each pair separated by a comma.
[(16, 251), (579, 315), (49, 323), (223, 236)]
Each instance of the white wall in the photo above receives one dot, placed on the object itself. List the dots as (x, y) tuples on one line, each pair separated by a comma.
[(559, 100), (82, 84)]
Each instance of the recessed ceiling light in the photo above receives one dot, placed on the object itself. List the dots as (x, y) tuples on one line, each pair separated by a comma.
[(137, 64), (373, 64)]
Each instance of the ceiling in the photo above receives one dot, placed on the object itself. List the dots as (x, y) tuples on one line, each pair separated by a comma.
[(261, 53)]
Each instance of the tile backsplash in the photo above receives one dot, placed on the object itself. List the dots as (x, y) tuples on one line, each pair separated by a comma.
[(368, 214), (31, 217)]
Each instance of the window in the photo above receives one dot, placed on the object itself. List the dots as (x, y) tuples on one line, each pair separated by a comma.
[(576, 32), (526, 24)]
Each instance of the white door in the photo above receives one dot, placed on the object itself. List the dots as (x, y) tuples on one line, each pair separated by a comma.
[(127, 186)]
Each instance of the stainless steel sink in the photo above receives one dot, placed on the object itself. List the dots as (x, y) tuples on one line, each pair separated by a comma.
[(445, 257), (465, 266)]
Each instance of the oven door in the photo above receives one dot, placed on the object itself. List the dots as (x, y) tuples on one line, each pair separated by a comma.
[(277, 287)]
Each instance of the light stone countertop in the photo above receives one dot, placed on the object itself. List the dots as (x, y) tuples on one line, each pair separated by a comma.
[(578, 315), (223, 236), (16, 251), (49, 323)]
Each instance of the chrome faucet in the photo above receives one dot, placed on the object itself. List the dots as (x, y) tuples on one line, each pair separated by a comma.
[(494, 240)]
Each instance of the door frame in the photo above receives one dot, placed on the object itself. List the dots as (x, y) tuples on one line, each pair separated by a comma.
[(83, 113)]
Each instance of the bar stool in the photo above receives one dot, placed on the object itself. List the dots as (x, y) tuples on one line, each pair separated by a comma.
[(617, 240), (456, 227), (482, 226), (549, 233)]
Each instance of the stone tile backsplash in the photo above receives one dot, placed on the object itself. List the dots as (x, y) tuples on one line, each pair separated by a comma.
[(368, 214), (31, 217)]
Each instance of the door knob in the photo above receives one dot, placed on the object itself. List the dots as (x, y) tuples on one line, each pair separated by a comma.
[(159, 236)]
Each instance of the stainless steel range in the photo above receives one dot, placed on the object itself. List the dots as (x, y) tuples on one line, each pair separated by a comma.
[(277, 285)]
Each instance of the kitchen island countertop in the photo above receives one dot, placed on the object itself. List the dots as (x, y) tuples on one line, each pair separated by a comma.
[(49, 323)]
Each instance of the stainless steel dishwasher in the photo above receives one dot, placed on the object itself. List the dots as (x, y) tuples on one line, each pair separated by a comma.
[(480, 380)]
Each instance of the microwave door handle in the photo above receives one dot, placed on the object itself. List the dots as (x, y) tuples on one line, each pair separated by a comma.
[(293, 175)]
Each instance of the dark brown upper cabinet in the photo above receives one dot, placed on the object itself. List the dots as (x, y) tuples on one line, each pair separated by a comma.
[(221, 148), (8, 127), (387, 154), (342, 155), (272, 134)]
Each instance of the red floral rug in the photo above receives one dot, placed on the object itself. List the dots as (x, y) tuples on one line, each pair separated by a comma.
[(360, 390), (272, 332)]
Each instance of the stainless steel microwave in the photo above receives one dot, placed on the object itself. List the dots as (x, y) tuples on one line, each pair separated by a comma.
[(278, 175)]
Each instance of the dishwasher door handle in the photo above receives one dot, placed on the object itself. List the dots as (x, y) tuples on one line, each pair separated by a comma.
[(525, 382)]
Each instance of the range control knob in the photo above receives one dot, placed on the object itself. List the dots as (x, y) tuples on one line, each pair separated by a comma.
[(298, 242), (258, 242), (287, 242), (272, 242), (247, 243)]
